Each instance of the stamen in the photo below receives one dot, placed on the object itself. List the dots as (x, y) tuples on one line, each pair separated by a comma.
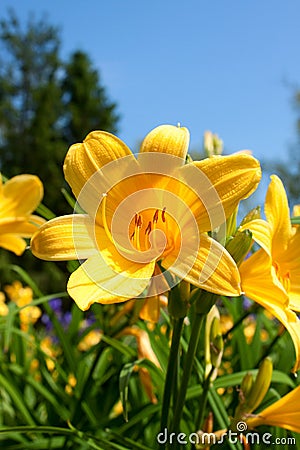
[(137, 233), (105, 225), (139, 222), (148, 229), (155, 217), (107, 230), (163, 214)]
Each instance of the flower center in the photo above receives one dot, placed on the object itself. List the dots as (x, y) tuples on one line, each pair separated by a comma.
[(143, 229), (150, 233), (283, 276)]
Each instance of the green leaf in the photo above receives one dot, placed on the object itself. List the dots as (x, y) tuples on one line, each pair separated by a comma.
[(123, 386), (295, 220), (17, 398), (235, 379)]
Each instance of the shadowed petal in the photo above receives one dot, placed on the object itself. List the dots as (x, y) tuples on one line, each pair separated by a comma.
[(97, 282), (13, 243), (211, 269), (20, 196), (261, 232), (21, 226)]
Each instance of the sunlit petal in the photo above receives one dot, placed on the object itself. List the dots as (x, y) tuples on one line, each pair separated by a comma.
[(220, 182), (85, 159), (259, 280), (284, 413), (167, 139), (64, 238), (278, 215)]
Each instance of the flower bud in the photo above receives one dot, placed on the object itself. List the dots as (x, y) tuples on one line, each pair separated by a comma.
[(260, 386), (239, 245), (252, 215)]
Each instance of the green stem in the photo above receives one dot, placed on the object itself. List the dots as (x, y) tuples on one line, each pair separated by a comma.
[(203, 400), (199, 319), (171, 372)]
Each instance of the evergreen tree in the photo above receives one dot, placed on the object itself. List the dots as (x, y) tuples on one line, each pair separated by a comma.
[(290, 172), (45, 104), (86, 104)]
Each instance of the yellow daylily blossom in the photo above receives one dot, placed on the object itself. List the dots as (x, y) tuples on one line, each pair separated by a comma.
[(3, 306), (19, 197), (271, 276), (144, 350), (145, 210), (285, 413), (23, 296)]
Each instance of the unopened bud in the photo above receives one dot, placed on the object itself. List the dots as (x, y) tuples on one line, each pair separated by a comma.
[(246, 386), (239, 245), (260, 386), (212, 144), (252, 215), (178, 300), (213, 343)]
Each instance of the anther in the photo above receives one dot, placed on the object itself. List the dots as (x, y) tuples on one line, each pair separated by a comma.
[(163, 214), (155, 217), (148, 229), (139, 222)]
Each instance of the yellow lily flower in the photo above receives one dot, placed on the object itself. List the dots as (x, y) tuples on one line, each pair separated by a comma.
[(23, 296), (271, 276), (145, 210), (19, 196), (144, 350), (284, 413)]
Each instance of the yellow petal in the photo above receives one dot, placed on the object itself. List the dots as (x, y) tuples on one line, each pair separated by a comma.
[(278, 215), (65, 238), (151, 309), (261, 232), (13, 243), (84, 160), (20, 196), (259, 280), (220, 182), (289, 263), (284, 413), (296, 210), (211, 269), (96, 282), (24, 227), (167, 139)]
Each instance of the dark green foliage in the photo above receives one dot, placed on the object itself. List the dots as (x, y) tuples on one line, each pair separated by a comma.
[(290, 172), (45, 104), (86, 105)]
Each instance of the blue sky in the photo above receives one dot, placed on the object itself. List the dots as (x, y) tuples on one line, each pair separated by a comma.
[(227, 66)]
